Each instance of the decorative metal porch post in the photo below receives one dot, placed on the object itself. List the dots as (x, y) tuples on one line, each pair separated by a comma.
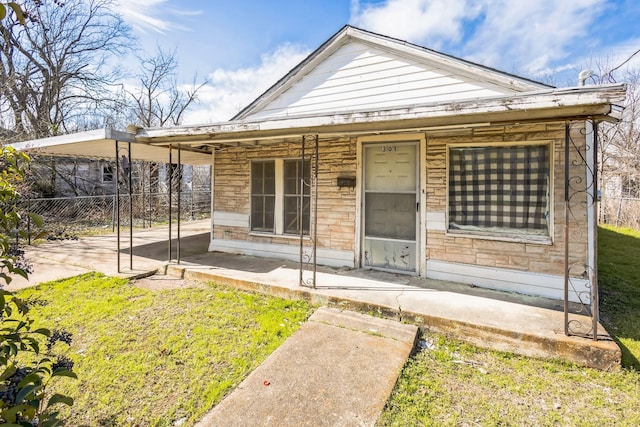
[(169, 203), (584, 184), (313, 186)]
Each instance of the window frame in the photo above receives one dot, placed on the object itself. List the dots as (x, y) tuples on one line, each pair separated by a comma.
[(279, 204), (306, 190), (262, 194), (112, 173), (515, 235)]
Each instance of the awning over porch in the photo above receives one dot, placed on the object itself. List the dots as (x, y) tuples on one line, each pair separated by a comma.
[(101, 144)]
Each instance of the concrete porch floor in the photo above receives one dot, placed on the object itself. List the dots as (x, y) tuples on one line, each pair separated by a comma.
[(490, 319)]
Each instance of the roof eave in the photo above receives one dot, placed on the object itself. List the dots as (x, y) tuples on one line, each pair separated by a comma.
[(600, 103)]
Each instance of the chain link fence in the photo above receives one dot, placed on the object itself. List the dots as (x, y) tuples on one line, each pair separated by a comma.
[(620, 211), (65, 217)]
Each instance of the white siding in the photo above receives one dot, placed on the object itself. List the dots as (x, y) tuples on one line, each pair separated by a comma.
[(359, 76)]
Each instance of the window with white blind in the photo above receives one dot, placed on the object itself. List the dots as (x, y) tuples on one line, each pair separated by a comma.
[(293, 190)]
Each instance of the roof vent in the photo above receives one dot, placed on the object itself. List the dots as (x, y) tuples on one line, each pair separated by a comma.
[(583, 76)]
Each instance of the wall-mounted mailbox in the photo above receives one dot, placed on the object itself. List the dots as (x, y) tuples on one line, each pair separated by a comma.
[(349, 182)]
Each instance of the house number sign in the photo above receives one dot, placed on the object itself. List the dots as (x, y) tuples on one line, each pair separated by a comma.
[(389, 148)]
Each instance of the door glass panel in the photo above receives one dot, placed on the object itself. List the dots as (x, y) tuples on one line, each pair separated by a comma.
[(390, 215)]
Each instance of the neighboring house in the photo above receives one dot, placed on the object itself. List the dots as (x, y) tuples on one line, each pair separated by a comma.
[(71, 176), (56, 176), (391, 156)]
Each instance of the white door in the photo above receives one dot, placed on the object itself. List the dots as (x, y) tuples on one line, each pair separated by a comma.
[(391, 206)]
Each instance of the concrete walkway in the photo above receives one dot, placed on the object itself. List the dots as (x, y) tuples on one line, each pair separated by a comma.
[(338, 369)]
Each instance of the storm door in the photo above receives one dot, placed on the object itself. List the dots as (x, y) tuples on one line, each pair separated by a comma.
[(390, 211)]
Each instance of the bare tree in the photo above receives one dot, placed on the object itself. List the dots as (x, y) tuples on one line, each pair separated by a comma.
[(158, 99), (58, 67), (619, 147)]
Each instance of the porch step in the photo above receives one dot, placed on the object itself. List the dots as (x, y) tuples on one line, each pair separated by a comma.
[(339, 368), (487, 319)]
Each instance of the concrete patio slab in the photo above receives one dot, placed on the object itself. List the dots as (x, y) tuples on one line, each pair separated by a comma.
[(497, 320), (67, 258), (338, 369)]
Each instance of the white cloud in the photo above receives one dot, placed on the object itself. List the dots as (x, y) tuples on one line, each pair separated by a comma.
[(154, 15), (531, 36), (229, 91), (431, 22), (524, 36)]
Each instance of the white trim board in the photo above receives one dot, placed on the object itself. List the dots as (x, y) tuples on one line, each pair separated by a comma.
[(523, 282), (328, 257), (230, 219), (436, 221)]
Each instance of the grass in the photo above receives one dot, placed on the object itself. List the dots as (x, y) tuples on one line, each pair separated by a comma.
[(619, 278), (159, 357), (452, 384)]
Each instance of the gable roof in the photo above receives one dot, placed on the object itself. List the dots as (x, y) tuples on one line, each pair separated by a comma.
[(357, 70)]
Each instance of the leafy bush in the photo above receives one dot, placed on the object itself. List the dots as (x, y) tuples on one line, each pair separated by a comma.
[(25, 369)]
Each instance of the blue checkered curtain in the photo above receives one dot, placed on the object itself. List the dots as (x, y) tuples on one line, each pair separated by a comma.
[(499, 188)]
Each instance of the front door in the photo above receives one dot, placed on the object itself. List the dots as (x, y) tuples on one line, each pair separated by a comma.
[(391, 206)]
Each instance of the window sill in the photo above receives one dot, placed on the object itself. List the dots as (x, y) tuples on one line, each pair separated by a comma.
[(278, 236), (522, 238)]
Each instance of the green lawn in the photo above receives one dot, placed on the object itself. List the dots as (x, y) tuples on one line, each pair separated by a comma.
[(159, 357), (452, 384), (619, 273)]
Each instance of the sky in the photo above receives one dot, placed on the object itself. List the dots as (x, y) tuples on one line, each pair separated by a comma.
[(242, 47)]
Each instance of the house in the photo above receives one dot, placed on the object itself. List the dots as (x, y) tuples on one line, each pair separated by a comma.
[(57, 176), (375, 153)]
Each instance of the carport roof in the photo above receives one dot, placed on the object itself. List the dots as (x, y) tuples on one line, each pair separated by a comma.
[(101, 144)]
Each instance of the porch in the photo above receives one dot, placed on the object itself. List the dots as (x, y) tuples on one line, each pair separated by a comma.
[(525, 325)]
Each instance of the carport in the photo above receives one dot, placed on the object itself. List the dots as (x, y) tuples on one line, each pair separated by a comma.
[(121, 148)]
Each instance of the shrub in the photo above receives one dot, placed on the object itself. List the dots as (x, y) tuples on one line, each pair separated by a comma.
[(26, 370)]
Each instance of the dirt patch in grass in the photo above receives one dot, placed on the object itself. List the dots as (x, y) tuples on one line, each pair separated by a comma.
[(162, 283)]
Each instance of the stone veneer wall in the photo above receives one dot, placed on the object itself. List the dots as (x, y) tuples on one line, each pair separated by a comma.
[(336, 206)]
